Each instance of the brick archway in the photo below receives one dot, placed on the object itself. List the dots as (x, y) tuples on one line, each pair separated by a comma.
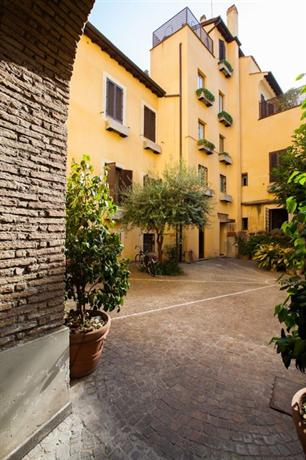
[(38, 43)]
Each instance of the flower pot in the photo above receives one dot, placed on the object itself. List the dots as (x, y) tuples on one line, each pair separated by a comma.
[(299, 422), (86, 348)]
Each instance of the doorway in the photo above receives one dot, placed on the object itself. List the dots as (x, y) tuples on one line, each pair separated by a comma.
[(222, 239), (201, 242)]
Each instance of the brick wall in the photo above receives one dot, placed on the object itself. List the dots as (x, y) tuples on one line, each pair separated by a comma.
[(37, 48)]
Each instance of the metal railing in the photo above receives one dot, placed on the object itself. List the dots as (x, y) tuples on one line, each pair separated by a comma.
[(286, 101), (176, 23)]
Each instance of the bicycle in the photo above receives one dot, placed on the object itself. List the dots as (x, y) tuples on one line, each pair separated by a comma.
[(146, 261)]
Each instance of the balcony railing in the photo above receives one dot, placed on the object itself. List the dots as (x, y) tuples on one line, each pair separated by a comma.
[(288, 100), (178, 22)]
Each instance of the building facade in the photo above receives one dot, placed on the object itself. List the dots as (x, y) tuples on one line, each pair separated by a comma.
[(204, 103)]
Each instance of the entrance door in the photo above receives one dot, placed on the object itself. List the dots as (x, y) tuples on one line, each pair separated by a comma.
[(201, 242), (222, 241)]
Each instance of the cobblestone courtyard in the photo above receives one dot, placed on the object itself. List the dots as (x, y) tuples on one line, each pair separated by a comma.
[(187, 373)]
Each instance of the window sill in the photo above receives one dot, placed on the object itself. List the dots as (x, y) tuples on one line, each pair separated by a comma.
[(209, 192), (150, 145), (225, 197), (116, 126), (225, 158)]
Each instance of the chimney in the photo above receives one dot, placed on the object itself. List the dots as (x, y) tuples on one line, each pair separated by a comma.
[(232, 20)]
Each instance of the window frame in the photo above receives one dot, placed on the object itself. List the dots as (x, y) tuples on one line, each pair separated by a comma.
[(107, 76), (201, 169), (221, 99), (223, 185), (244, 223), (222, 57), (201, 123), (244, 176), (203, 77), (278, 154), (221, 141), (149, 107)]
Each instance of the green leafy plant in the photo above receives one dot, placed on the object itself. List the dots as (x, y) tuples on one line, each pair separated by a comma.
[(178, 199), (227, 64), (292, 312), (272, 256), (207, 144), (95, 276), (209, 96), (170, 266), (226, 116), (249, 243)]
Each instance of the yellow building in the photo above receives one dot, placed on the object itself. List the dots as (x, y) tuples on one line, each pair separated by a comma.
[(137, 124)]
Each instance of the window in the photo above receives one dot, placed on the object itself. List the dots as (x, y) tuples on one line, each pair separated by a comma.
[(245, 223), (119, 181), (148, 242), (149, 128), (274, 162), (114, 101), (222, 183), (201, 80), (203, 173), (222, 54), (201, 130), (244, 179), (221, 101), (275, 218), (221, 144)]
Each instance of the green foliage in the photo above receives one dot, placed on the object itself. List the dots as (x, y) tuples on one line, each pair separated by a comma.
[(227, 64), (248, 243), (292, 313), (95, 277), (271, 256), (170, 266), (289, 99), (207, 144), (225, 115), (177, 199), (209, 96)]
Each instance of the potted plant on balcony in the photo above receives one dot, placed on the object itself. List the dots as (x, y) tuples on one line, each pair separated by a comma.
[(96, 279), (225, 118), (206, 145), (225, 67), (225, 158), (206, 96)]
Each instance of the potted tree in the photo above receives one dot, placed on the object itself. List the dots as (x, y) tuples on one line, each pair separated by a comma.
[(96, 279)]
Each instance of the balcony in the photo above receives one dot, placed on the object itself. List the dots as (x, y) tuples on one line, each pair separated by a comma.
[(150, 145), (289, 100), (206, 96), (206, 146), (181, 19), (225, 157), (117, 127), (225, 68), (225, 118), (209, 192), (225, 197)]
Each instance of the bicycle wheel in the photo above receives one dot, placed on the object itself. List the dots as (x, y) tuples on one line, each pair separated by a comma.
[(151, 268)]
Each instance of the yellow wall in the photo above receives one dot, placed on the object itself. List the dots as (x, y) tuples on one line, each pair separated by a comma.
[(258, 138), (249, 140), (86, 120)]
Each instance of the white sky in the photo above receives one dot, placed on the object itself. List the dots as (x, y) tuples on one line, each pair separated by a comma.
[(273, 31)]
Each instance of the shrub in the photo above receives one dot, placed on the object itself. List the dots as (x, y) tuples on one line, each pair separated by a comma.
[(225, 115), (170, 266), (248, 244), (96, 277), (209, 96), (272, 256), (227, 64), (207, 144)]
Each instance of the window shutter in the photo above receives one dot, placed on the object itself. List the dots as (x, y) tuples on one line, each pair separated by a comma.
[(221, 50), (273, 163), (149, 129), (110, 98), (111, 178), (119, 104)]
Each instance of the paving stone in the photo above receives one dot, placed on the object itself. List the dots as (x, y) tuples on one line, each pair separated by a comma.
[(185, 383)]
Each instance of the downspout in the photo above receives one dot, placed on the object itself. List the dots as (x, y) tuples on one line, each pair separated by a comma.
[(180, 236)]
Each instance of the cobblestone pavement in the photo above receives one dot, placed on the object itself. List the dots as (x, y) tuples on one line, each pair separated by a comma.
[(192, 380)]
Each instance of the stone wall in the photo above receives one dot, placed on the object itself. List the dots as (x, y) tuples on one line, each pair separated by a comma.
[(37, 48)]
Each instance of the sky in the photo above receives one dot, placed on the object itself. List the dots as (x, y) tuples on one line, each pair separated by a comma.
[(273, 31)]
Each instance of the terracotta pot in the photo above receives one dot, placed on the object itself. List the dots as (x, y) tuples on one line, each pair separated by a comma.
[(86, 348), (299, 422)]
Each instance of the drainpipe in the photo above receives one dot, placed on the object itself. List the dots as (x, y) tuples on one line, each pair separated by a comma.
[(180, 235)]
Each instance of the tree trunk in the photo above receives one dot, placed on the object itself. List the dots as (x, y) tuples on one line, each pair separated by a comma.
[(160, 240)]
